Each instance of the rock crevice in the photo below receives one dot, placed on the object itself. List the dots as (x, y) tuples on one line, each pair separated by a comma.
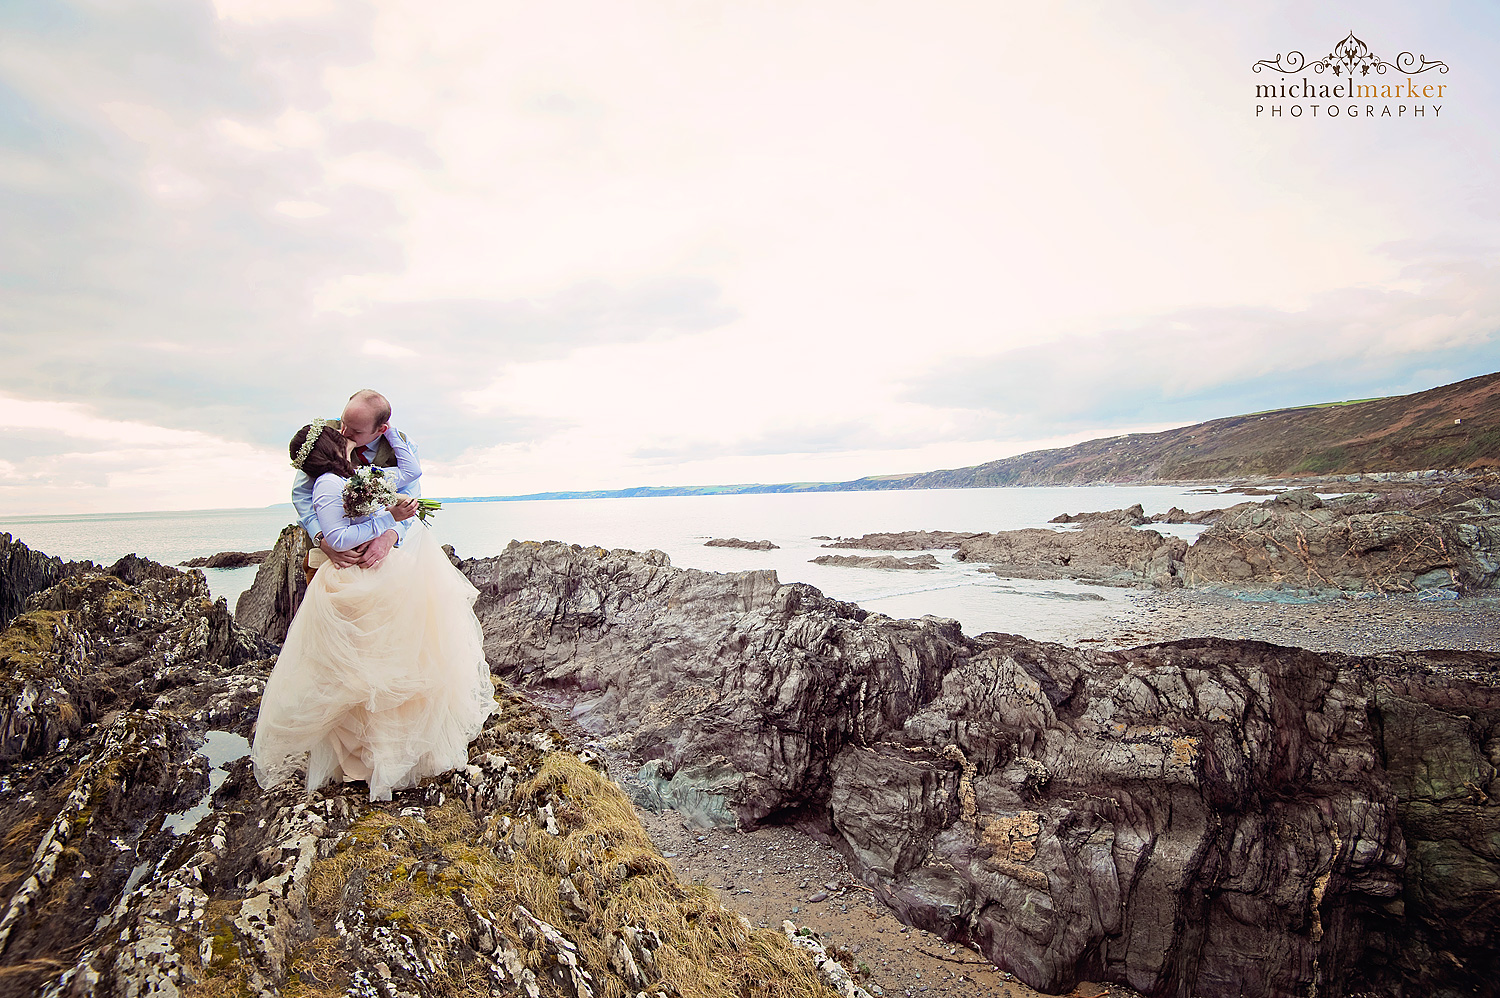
[(1165, 817)]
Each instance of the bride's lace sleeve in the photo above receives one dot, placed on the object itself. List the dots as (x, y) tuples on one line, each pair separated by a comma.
[(339, 531)]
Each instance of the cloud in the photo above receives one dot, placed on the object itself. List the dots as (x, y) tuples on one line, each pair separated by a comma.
[(222, 259), (899, 430), (65, 458), (301, 209), (718, 241), (1203, 363)]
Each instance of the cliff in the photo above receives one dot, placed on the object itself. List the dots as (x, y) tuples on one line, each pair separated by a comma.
[(1200, 817)]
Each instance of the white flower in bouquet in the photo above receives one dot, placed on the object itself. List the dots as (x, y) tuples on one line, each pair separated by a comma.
[(367, 492)]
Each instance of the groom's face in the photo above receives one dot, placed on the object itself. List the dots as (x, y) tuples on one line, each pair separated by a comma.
[(358, 424)]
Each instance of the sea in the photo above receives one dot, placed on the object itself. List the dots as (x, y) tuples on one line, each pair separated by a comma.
[(680, 526)]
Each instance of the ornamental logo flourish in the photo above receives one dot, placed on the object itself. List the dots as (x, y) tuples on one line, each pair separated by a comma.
[(1347, 56), (1350, 63)]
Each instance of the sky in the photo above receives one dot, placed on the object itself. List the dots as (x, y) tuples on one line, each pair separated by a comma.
[(595, 244)]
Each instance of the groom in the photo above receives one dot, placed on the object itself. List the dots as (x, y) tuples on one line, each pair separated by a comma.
[(366, 418)]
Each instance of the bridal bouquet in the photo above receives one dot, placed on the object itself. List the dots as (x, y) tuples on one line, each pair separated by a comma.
[(368, 492)]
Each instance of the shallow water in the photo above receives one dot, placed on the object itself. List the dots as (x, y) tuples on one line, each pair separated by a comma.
[(220, 748), (679, 526)]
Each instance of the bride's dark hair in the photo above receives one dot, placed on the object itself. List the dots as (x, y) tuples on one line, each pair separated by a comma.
[(327, 453)]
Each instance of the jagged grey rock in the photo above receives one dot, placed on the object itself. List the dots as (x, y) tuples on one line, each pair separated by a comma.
[(133, 865), (1197, 817), (905, 540), (23, 572), (1113, 555), (1132, 516), (1200, 817), (1297, 540), (921, 562), (268, 606)]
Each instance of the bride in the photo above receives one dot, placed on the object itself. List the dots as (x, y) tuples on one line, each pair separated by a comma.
[(382, 677)]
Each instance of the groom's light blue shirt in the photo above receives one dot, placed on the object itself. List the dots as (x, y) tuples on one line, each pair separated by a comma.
[(406, 451)]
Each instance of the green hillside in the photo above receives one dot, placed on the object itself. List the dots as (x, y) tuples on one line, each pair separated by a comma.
[(1454, 426)]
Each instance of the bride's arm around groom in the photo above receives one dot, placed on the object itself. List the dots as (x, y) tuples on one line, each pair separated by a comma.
[(366, 422)]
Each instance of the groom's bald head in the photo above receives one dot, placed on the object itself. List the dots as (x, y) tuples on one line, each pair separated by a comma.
[(365, 417)]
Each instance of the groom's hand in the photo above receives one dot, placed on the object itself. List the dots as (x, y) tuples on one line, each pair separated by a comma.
[(376, 550), (340, 559)]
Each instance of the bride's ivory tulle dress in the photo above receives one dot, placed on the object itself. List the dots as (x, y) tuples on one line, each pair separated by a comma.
[(382, 677)]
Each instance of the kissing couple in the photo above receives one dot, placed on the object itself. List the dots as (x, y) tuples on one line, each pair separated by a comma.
[(382, 677)]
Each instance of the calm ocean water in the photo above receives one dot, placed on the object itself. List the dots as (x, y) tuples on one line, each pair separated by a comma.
[(679, 525)]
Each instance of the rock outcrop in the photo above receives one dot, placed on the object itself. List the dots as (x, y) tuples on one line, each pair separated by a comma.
[(1179, 515), (1131, 517), (228, 559), (1120, 556), (268, 605), (1403, 538), (1437, 718), (1297, 540), (921, 562), (1201, 817), (140, 858), (735, 542), (1135, 516), (905, 540), (24, 571)]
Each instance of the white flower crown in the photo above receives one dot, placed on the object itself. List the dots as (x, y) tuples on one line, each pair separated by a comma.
[(314, 431)]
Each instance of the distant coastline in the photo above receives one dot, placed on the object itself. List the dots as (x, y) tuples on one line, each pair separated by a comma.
[(656, 491), (1452, 427)]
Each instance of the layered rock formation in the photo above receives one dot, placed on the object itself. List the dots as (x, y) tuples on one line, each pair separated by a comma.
[(24, 572), (1203, 817), (228, 559), (1119, 556), (735, 542), (1437, 717), (1134, 516), (1179, 515), (1299, 540), (140, 858), (921, 562), (1401, 539), (905, 540), (268, 605), (1108, 555)]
